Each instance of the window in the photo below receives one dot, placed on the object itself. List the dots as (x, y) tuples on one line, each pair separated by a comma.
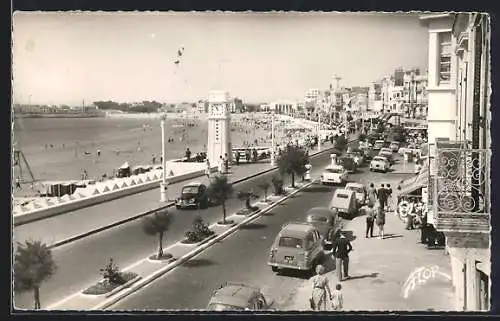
[(444, 57), (290, 242), (342, 196)]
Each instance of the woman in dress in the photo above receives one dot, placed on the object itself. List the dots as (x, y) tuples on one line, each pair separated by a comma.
[(372, 195), (320, 289)]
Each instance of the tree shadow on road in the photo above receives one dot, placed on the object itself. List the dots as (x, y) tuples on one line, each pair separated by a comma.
[(317, 189), (198, 263), (253, 226)]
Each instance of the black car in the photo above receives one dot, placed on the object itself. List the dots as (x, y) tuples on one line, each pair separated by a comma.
[(193, 195)]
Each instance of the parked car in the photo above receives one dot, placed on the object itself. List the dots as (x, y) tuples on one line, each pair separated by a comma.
[(193, 195), (328, 223), (334, 175), (379, 163), (238, 296), (379, 144), (360, 191), (344, 203), (348, 163), (386, 150), (394, 146), (387, 155), (297, 246)]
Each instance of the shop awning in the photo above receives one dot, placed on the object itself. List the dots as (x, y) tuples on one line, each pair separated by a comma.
[(415, 187)]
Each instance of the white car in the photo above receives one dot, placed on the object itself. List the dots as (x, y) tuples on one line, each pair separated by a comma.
[(334, 175), (379, 163)]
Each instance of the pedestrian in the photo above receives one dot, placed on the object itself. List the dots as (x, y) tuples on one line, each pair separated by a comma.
[(382, 196), (154, 159), (370, 219), (320, 289), (98, 152), (372, 195), (207, 168), (18, 183), (341, 250), (188, 154), (390, 200), (337, 298), (226, 162), (380, 220), (221, 165)]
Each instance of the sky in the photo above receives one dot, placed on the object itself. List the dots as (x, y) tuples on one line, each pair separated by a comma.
[(68, 58)]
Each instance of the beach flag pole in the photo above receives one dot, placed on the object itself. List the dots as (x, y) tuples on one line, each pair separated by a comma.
[(164, 182)]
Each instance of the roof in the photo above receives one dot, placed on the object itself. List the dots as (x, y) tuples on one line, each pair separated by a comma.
[(324, 211), (296, 228), (234, 294), (354, 184)]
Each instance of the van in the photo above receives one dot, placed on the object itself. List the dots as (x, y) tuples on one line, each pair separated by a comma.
[(344, 202)]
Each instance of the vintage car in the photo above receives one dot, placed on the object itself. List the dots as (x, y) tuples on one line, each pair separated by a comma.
[(388, 155), (193, 195), (334, 175), (298, 246), (328, 223), (394, 146), (360, 191), (238, 297), (379, 144), (344, 203), (379, 164)]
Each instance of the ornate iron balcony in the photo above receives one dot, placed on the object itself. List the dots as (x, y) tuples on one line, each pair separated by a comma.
[(462, 189)]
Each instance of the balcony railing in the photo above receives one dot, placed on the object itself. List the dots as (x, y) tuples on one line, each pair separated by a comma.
[(462, 190)]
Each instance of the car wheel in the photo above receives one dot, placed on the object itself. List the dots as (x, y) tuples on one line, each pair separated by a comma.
[(274, 268)]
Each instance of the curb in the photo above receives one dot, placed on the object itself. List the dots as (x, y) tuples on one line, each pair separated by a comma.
[(200, 248), (171, 204)]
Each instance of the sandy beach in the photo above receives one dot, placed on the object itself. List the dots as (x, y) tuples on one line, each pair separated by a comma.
[(60, 149)]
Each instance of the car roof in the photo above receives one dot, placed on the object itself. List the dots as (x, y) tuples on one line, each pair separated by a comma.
[(354, 184), (323, 211), (235, 294), (375, 158), (296, 228)]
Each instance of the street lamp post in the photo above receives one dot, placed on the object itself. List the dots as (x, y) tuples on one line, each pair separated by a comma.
[(272, 139), (164, 182), (319, 132)]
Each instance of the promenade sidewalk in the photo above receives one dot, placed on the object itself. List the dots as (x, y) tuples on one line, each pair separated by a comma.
[(60, 227), (381, 271)]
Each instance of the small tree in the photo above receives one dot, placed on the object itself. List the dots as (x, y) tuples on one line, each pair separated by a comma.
[(33, 265), (293, 161), (157, 224), (341, 142), (220, 190), (278, 185), (111, 273), (265, 186)]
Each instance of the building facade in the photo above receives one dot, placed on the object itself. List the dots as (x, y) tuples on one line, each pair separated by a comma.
[(459, 149), (284, 107)]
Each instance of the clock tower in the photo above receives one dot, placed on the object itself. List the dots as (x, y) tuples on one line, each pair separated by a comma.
[(219, 130)]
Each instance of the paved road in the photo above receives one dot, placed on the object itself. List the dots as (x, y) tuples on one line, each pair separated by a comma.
[(241, 258), (79, 262)]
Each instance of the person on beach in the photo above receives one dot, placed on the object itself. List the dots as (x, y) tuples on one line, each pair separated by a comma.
[(320, 289), (337, 298), (98, 152), (153, 159), (188, 154)]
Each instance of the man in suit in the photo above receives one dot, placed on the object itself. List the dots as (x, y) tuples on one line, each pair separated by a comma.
[(370, 219), (341, 251), (382, 196)]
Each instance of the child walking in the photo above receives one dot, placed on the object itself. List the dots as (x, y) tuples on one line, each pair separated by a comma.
[(337, 298)]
